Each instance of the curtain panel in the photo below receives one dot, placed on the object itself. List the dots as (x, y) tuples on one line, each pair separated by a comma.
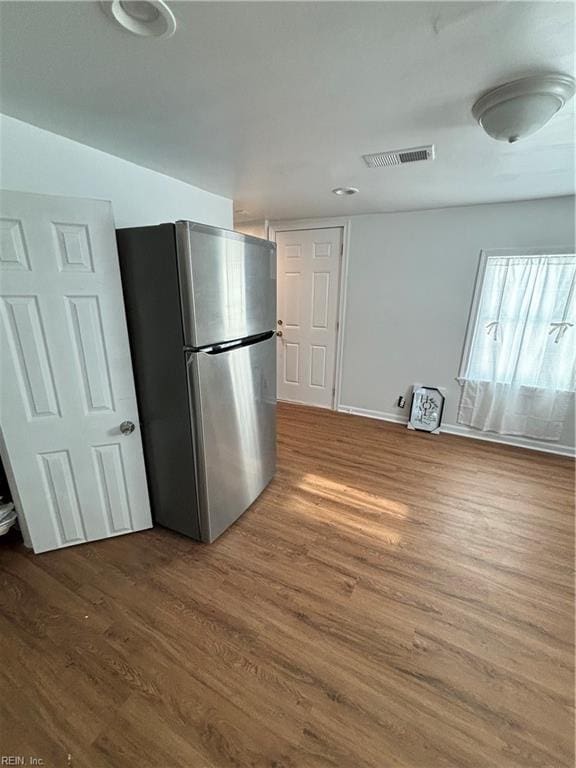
[(519, 374)]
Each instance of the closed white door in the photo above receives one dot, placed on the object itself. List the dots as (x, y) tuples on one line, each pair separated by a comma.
[(66, 376), (308, 289)]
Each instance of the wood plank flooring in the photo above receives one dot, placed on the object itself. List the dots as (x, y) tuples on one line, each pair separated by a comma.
[(393, 600)]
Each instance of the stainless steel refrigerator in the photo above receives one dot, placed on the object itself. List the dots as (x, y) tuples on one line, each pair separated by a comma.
[(201, 311)]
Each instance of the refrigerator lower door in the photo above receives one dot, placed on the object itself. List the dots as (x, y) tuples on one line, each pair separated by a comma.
[(233, 411)]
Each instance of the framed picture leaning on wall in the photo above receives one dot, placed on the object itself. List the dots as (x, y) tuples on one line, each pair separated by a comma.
[(426, 409)]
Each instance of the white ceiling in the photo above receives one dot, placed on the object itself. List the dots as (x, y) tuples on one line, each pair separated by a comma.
[(274, 103)]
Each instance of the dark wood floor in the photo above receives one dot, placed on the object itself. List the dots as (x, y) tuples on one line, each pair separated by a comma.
[(394, 599)]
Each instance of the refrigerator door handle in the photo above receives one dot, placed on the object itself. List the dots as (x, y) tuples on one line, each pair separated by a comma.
[(229, 346)]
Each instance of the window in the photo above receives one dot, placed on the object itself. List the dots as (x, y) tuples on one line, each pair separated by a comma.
[(519, 364)]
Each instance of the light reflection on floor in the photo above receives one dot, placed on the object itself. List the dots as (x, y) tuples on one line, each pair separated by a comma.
[(373, 510)]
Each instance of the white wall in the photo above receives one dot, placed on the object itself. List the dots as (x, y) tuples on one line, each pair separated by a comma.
[(410, 284), (34, 160)]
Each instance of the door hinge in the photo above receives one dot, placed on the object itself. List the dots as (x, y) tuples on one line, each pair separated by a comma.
[(342, 248)]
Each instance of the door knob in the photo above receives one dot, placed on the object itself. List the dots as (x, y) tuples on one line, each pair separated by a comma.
[(127, 427), (280, 322), (279, 333)]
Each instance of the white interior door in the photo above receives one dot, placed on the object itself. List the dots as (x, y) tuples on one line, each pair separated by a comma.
[(66, 374), (308, 289)]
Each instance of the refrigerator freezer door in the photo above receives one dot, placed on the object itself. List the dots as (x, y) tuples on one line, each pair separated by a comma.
[(233, 411), (227, 284)]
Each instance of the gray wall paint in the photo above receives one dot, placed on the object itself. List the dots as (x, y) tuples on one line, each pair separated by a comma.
[(35, 160), (410, 283)]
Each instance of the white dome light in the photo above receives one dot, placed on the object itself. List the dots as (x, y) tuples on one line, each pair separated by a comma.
[(146, 18), (522, 107)]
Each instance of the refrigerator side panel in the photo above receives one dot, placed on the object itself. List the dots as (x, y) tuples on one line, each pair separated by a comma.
[(228, 284), (233, 395), (151, 294)]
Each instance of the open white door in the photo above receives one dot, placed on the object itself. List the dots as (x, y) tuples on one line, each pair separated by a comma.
[(308, 288), (66, 381)]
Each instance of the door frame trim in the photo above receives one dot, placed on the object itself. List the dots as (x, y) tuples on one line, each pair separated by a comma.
[(345, 225)]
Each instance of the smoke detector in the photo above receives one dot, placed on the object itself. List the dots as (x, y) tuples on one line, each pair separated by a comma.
[(522, 107), (399, 156), (145, 18)]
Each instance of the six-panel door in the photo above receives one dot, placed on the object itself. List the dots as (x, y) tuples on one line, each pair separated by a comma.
[(66, 374), (308, 287)]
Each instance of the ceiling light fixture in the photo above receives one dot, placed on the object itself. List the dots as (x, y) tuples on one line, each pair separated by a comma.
[(522, 107), (343, 191), (146, 18)]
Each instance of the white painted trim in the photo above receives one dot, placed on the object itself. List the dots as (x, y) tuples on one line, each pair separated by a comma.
[(344, 224), (294, 224), (462, 431), (510, 253), (301, 402), (342, 304), (368, 414), (473, 314), (517, 441)]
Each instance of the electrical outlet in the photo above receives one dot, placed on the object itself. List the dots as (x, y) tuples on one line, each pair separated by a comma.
[(401, 402)]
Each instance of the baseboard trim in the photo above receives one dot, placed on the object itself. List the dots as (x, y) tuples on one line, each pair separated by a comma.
[(462, 431), (301, 402)]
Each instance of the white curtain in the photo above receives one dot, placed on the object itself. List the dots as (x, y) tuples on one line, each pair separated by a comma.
[(520, 372)]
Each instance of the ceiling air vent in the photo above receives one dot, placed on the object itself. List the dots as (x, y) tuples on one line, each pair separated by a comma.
[(399, 156)]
